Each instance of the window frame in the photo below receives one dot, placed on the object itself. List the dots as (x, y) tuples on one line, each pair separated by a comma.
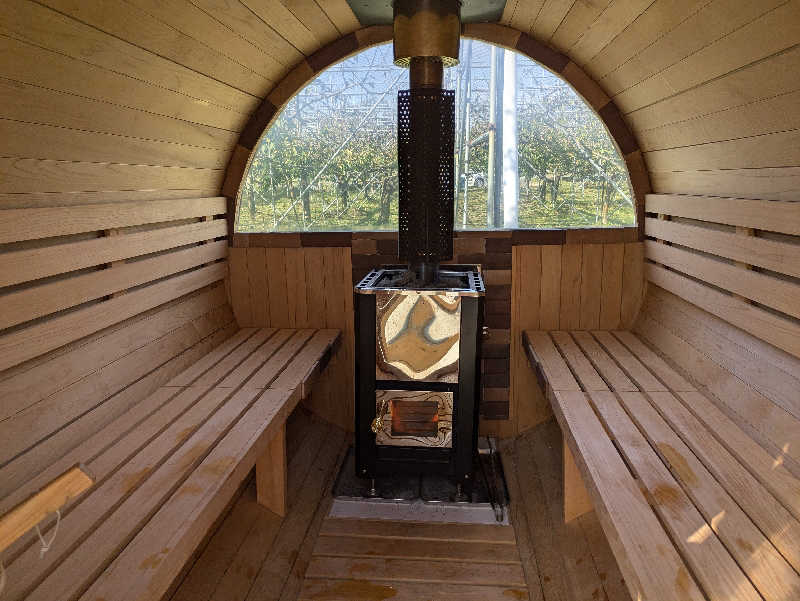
[(500, 35)]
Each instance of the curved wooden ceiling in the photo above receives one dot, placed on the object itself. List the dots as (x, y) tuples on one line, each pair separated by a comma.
[(129, 99)]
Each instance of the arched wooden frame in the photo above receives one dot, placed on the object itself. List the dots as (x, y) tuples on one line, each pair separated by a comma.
[(493, 33)]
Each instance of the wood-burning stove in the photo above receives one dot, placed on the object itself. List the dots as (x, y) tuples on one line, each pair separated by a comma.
[(418, 372)]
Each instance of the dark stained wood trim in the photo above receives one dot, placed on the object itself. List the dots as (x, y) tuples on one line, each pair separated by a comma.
[(493, 33), (382, 243), (333, 52)]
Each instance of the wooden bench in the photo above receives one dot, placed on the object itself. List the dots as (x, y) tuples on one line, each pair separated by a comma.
[(692, 506), (166, 470)]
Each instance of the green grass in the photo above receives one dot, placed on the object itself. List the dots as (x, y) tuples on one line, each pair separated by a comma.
[(572, 209)]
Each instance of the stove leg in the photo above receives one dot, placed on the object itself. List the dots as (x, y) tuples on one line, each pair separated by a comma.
[(372, 493), (460, 496)]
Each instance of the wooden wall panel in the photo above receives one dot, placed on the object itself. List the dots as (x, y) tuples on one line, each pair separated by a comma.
[(753, 382), (269, 287), (101, 305), (746, 275), (576, 287), (528, 286)]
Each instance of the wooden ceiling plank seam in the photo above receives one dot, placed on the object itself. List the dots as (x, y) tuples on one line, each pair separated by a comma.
[(192, 21), (653, 24), (127, 23), (762, 79), (238, 18), (762, 116), (83, 113), (743, 46), (50, 142), (712, 23), (58, 32), (281, 19), (49, 69), (615, 19), (33, 175), (341, 15)]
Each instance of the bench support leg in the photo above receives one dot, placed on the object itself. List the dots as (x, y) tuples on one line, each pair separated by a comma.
[(576, 497), (271, 474)]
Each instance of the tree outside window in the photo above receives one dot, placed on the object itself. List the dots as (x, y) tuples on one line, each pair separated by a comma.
[(529, 152)]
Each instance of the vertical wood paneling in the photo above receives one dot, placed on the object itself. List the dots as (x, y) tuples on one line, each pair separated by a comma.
[(611, 294), (591, 286), (633, 284), (257, 282), (276, 278), (240, 286), (528, 406), (550, 300), (324, 299), (571, 258), (296, 287), (567, 287)]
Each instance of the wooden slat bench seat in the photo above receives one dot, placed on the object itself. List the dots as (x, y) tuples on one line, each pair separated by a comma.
[(166, 469), (693, 508)]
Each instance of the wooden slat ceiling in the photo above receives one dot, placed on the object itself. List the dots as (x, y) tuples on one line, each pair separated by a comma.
[(115, 100)]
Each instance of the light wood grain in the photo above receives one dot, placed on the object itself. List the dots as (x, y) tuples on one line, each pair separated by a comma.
[(29, 224), (271, 482), (780, 331), (51, 498), (626, 516)]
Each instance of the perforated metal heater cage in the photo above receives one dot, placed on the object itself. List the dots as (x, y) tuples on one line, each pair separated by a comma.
[(425, 149)]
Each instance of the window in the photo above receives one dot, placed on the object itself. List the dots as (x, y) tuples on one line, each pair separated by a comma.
[(529, 152)]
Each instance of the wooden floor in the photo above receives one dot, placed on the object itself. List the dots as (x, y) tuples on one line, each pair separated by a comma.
[(255, 555), (355, 560), (562, 562)]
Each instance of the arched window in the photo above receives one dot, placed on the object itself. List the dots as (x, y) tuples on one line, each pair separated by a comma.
[(530, 153)]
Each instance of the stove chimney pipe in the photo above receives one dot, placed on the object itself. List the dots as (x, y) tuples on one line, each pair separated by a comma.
[(426, 40)]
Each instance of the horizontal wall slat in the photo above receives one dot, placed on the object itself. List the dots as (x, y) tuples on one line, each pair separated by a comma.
[(31, 224), (771, 215), (779, 331), (774, 31), (25, 305), (29, 386), (41, 338), (780, 149), (769, 254), (25, 102), (766, 116), (743, 355), (35, 141), (771, 183), (38, 200), (39, 25), (34, 65), (758, 81), (45, 175), (28, 265), (768, 291)]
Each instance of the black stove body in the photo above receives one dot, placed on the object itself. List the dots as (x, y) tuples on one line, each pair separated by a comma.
[(418, 372)]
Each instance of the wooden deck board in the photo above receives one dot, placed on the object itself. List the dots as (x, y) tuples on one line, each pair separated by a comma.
[(728, 506)]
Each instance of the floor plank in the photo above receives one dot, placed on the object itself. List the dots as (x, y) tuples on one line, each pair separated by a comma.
[(256, 556)]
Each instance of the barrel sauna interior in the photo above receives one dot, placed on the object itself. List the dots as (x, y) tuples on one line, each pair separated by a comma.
[(177, 397)]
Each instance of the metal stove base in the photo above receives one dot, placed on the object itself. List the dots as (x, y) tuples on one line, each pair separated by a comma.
[(423, 498)]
